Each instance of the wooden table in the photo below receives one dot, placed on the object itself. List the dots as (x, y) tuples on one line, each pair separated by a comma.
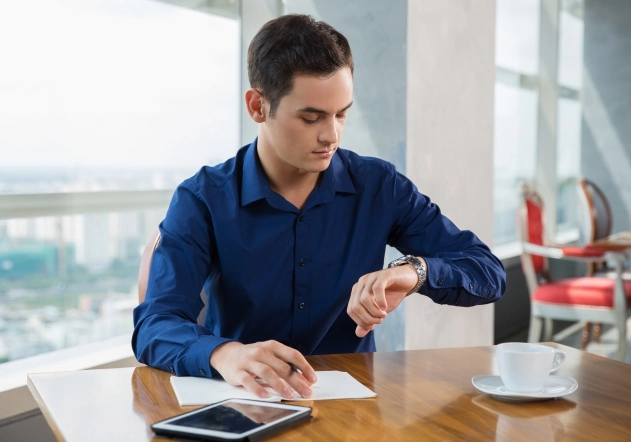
[(421, 395), (617, 241)]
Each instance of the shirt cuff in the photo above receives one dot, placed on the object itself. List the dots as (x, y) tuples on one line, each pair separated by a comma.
[(439, 275), (198, 358)]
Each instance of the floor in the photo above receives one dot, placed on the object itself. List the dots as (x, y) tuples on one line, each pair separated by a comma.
[(28, 427)]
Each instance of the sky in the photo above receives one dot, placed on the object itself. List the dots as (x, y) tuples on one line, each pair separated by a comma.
[(116, 84), (142, 83)]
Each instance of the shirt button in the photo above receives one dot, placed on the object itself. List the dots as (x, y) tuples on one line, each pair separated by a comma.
[(440, 282), (302, 305), (470, 286), (172, 371), (202, 372), (302, 263), (301, 218)]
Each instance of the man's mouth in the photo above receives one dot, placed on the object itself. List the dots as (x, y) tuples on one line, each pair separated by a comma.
[(324, 153)]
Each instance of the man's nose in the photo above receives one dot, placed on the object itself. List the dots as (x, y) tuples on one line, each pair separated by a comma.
[(330, 132)]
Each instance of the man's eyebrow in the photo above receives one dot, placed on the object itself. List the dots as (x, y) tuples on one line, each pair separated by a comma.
[(314, 110)]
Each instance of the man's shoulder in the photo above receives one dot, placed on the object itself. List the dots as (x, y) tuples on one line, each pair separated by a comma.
[(357, 164), (210, 178)]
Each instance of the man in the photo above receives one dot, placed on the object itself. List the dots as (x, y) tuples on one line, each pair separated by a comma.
[(288, 237)]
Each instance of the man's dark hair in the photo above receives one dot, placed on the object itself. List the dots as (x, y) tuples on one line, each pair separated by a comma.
[(294, 44)]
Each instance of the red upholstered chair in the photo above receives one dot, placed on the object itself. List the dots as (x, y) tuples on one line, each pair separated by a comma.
[(589, 298), (598, 208), (599, 223)]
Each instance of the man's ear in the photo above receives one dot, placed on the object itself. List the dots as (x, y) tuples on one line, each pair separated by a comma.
[(256, 105)]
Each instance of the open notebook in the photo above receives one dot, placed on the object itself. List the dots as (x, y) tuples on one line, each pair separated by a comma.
[(330, 385)]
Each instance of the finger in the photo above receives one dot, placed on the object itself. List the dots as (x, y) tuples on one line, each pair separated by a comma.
[(368, 300), (269, 376), (290, 373), (363, 331), (293, 356), (299, 373), (300, 384), (359, 312), (361, 303), (362, 318), (379, 292), (250, 384), (281, 359)]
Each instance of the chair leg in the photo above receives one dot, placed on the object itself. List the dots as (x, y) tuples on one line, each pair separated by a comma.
[(622, 340), (597, 331), (534, 332), (587, 328), (547, 330)]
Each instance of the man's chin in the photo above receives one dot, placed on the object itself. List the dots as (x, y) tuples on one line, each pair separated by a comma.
[(319, 169)]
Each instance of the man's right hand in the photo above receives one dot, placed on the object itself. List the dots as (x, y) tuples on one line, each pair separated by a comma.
[(270, 361)]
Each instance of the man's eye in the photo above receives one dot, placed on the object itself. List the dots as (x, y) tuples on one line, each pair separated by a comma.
[(342, 116), (308, 121)]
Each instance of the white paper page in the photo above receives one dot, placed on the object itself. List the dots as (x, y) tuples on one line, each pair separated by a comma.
[(330, 385)]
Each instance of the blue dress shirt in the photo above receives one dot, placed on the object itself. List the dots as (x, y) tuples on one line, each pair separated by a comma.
[(272, 271)]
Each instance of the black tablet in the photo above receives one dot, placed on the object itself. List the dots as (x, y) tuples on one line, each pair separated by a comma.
[(233, 419)]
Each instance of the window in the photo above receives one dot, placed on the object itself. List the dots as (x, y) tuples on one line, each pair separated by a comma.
[(106, 107), (518, 113), (569, 114), (516, 109)]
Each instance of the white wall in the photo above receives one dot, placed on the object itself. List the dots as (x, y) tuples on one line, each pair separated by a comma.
[(451, 75)]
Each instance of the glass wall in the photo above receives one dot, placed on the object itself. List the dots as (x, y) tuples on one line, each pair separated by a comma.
[(516, 109), (117, 100), (68, 280), (569, 115)]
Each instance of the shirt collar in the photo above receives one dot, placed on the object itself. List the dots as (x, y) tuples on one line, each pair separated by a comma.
[(253, 179), (335, 179), (255, 185)]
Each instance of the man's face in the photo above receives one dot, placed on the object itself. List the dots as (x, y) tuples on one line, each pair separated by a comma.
[(307, 126)]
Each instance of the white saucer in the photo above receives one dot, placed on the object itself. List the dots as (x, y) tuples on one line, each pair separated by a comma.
[(555, 386)]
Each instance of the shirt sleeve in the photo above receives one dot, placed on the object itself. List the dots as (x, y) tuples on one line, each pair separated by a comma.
[(461, 270), (166, 334)]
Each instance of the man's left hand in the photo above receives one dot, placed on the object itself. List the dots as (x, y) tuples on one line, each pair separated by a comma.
[(377, 294)]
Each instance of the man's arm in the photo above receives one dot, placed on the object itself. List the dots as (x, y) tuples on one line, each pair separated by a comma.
[(166, 333), (461, 270)]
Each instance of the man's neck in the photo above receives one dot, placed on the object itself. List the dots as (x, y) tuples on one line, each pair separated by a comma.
[(292, 184)]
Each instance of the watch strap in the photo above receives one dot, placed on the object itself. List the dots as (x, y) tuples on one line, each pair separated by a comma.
[(418, 265)]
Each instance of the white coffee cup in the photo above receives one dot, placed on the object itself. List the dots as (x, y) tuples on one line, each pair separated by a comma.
[(524, 367)]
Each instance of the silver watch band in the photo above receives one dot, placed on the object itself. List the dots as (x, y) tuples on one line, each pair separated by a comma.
[(419, 266)]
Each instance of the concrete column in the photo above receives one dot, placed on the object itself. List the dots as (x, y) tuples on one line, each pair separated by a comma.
[(450, 77)]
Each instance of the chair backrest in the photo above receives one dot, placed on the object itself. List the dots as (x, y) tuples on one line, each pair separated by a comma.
[(598, 208), (145, 267), (145, 264), (531, 229)]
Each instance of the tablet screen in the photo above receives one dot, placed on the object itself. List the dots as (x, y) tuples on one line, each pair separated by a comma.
[(233, 417)]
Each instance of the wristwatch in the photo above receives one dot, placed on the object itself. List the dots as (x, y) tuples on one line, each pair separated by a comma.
[(419, 266)]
